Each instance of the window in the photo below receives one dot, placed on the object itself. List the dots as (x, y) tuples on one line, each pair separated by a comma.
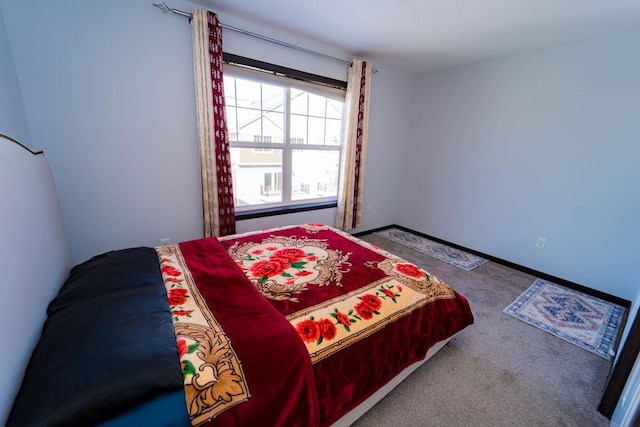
[(272, 183), (285, 138), (261, 138)]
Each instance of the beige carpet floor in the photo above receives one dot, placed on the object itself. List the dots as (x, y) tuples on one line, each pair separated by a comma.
[(499, 371)]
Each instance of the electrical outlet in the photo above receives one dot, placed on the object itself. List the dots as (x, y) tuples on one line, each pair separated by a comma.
[(541, 242), (165, 241)]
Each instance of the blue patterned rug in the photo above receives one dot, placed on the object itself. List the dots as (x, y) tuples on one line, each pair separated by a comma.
[(458, 258), (583, 320)]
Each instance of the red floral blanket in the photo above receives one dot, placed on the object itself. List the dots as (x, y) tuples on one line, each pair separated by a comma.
[(243, 363), (363, 313), (298, 325)]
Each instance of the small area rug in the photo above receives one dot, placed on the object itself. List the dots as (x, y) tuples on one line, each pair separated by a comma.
[(583, 320), (456, 257)]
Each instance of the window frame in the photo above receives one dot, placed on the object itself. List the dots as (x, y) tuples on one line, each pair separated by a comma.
[(329, 90)]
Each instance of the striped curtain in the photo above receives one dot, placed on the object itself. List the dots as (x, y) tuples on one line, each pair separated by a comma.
[(218, 212), (354, 149)]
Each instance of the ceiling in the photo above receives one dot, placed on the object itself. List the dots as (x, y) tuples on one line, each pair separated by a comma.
[(425, 35)]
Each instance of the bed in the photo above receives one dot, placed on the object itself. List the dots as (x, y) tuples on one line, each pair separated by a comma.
[(300, 325)]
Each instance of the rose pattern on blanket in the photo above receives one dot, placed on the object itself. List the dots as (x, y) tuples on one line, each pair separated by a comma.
[(214, 381), (328, 327), (411, 276), (368, 306), (282, 267)]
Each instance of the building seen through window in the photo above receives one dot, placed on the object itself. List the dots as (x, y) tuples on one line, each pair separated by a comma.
[(285, 139)]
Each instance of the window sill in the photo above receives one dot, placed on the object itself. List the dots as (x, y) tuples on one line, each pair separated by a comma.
[(261, 213)]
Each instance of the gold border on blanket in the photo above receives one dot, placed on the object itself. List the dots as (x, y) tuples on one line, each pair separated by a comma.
[(219, 382)]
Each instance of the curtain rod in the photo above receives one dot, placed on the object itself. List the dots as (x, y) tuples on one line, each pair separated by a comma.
[(165, 9)]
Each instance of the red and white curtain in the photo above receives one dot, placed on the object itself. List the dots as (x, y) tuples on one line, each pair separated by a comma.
[(215, 161), (354, 149)]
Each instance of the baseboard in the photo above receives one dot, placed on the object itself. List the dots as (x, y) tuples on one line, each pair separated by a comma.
[(362, 233), (539, 274)]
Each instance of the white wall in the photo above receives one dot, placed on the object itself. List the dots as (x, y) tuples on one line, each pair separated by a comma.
[(13, 121), (108, 89), (540, 144), (35, 260)]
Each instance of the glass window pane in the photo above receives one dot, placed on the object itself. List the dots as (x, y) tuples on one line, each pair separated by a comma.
[(257, 176), (315, 174), (272, 98), (229, 90), (333, 132), (232, 129), (334, 109), (249, 124), (256, 115), (248, 93), (298, 132), (273, 126), (299, 101), (316, 130), (317, 105)]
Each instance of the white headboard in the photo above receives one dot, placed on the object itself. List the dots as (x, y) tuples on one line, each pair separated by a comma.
[(34, 259)]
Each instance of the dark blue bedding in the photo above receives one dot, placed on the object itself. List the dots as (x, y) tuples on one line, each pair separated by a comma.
[(109, 272), (164, 410), (107, 346)]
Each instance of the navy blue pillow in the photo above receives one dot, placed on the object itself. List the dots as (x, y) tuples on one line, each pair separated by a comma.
[(109, 347), (108, 272)]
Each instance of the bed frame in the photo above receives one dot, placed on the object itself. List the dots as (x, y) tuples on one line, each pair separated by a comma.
[(35, 257), (37, 260)]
